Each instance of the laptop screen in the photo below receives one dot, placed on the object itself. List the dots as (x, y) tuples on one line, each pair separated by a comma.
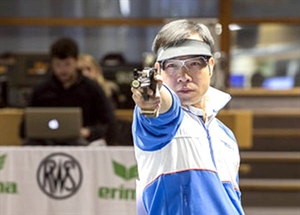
[(53, 122)]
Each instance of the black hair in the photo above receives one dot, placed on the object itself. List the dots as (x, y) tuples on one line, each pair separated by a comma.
[(176, 32), (63, 48)]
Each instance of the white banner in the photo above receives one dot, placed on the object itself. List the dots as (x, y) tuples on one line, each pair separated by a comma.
[(67, 180)]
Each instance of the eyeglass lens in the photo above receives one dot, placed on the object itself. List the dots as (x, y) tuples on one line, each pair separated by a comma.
[(192, 64)]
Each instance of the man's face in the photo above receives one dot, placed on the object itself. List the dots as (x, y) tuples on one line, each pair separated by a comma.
[(189, 84), (64, 69)]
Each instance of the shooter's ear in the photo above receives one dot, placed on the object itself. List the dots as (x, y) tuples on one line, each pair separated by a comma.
[(157, 66)]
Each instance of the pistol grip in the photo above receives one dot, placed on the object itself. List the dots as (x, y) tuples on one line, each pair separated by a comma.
[(145, 94)]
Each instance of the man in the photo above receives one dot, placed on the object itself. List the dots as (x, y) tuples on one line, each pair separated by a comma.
[(187, 159), (66, 87)]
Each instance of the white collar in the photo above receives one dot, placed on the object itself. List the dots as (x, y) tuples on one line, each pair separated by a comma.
[(215, 101)]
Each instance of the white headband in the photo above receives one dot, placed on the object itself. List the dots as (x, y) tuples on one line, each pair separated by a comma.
[(188, 47)]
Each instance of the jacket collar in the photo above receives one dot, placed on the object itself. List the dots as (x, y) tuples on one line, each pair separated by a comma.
[(215, 101)]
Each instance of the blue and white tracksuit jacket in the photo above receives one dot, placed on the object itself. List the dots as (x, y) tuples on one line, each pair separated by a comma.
[(186, 166)]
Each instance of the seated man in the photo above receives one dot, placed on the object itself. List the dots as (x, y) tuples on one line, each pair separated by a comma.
[(66, 87)]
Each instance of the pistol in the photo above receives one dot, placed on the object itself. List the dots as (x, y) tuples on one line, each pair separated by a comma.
[(145, 79)]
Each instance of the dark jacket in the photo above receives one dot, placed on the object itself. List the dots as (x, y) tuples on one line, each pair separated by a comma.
[(98, 114)]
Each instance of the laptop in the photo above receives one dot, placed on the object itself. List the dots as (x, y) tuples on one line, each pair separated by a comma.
[(53, 122)]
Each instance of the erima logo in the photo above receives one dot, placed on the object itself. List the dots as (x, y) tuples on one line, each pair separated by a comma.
[(123, 172), (7, 187), (121, 192), (59, 176), (2, 161)]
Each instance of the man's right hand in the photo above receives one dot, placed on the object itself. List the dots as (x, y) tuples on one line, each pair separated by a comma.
[(161, 101)]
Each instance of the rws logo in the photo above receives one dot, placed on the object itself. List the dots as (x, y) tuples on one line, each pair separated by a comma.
[(59, 175), (121, 192), (7, 187)]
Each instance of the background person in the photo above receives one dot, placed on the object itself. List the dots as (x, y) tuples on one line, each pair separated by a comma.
[(187, 159), (67, 87), (91, 69)]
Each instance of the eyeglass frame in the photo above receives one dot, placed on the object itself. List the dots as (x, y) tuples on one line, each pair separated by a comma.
[(204, 57)]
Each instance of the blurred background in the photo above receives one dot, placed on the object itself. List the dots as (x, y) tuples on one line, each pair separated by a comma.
[(257, 51)]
